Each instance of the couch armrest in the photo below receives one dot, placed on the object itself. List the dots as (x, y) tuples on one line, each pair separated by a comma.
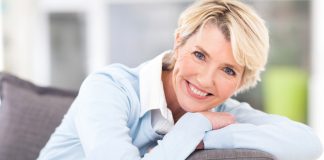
[(230, 154)]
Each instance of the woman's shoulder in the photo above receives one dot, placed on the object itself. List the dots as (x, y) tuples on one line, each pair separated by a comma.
[(116, 77), (114, 74), (115, 81)]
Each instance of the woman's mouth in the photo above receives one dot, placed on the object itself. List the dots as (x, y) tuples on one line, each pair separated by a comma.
[(196, 92)]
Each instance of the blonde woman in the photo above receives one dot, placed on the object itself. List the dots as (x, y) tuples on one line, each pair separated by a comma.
[(180, 100)]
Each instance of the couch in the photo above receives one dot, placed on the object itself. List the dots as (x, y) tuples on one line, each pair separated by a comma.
[(29, 114)]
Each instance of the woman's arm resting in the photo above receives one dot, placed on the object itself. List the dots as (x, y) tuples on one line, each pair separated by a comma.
[(279, 136), (102, 125)]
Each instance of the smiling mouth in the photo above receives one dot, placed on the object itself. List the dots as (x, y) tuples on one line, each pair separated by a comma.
[(197, 92)]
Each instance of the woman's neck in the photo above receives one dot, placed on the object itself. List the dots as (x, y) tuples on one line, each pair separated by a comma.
[(170, 96)]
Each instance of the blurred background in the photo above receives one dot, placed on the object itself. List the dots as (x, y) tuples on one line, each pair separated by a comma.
[(59, 42)]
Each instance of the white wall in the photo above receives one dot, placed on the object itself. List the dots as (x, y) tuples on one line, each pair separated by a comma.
[(316, 96), (96, 34), (18, 17), (1, 40)]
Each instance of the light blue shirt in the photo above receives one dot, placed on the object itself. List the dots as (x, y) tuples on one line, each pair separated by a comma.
[(117, 116)]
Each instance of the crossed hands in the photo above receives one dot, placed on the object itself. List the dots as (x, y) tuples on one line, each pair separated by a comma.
[(218, 120)]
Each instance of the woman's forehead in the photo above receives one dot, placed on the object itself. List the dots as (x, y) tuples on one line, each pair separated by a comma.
[(210, 40)]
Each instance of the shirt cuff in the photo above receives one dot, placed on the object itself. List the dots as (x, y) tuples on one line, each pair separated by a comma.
[(220, 138), (194, 121)]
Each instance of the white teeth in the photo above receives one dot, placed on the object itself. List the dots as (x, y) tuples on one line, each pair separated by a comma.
[(197, 92)]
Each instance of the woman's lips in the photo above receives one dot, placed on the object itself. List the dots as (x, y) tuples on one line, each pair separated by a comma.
[(196, 92)]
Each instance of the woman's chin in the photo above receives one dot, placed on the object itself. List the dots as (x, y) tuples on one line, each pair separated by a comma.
[(192, 109)]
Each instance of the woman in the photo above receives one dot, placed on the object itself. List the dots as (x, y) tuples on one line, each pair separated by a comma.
[(180, 100)]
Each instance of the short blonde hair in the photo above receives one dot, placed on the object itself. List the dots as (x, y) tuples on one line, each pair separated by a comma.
[(240, 25)]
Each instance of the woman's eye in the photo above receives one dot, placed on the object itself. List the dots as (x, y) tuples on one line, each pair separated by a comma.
[(229, 71), (199, 55)]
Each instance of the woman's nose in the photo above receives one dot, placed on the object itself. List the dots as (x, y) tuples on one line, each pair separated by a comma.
[(207, 78)]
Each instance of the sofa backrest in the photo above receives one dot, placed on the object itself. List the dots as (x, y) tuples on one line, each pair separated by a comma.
[(28, 116)]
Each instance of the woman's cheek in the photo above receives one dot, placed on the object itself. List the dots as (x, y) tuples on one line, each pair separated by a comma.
[(226, 88)]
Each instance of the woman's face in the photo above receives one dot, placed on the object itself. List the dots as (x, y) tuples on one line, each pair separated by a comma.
[(205, 73)]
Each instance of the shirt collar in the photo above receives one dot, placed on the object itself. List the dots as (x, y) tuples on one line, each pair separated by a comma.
[(151, 87)]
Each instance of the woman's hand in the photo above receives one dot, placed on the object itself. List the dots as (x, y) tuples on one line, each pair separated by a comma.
[(219, 119)]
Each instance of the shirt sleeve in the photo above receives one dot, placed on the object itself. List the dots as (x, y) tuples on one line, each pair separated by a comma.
[(102, 124), (277, 135)]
